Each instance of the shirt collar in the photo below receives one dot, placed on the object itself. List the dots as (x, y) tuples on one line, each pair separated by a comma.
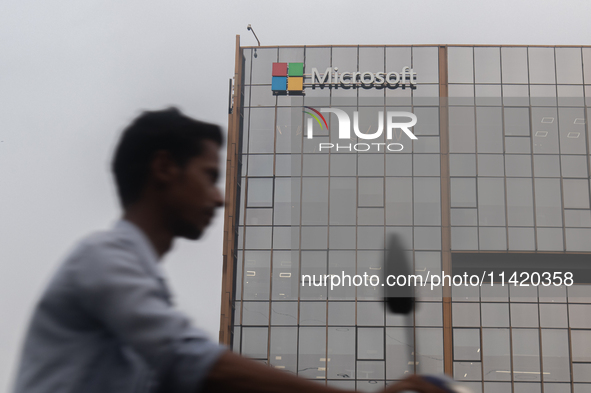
[(144, 244)]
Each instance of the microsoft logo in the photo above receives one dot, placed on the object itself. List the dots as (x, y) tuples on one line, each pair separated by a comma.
[(288, 77)]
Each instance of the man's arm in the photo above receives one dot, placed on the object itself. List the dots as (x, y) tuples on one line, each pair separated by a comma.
[(111, 284), (235, 374)]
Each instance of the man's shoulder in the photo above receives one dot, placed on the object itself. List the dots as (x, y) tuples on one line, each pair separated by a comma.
[(100, 251), (110, 239)]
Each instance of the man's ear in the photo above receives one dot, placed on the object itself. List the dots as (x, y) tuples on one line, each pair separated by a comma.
[(163, 168)]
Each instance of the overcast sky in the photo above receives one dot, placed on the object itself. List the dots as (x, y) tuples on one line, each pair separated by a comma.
[(74, 73)]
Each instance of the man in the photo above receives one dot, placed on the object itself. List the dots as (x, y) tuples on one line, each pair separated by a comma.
[(105, 323)]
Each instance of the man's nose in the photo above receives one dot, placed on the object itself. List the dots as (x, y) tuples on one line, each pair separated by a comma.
[(219, 198)]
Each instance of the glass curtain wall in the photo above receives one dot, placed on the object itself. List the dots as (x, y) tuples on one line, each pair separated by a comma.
[(519, 154)]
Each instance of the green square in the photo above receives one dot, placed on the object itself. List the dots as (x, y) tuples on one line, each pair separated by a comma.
[(296, 69)]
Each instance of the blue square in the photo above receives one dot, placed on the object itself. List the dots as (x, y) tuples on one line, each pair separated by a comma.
[(279, 83)]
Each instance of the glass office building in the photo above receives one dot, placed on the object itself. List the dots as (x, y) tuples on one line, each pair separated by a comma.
[(499, 172)]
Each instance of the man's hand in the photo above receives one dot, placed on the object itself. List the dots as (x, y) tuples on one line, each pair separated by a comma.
[(414, 383)]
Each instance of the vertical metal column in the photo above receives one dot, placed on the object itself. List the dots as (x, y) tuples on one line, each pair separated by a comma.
[(231, 207), (445, 210)]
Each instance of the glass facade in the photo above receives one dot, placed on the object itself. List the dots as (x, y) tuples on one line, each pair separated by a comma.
[(501, 164)]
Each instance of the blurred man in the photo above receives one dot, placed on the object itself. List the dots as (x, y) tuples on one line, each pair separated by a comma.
[(106, 323)]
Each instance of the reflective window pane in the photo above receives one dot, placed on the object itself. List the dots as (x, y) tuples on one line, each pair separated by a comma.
[(496, 360), (460, 62), (370, 313), (287, 201), (312, 352), (258, 238), (314, 201), (254, 342), (255, 313), (520, 206), (576, 193), (489, 129), (495, 314), (260, 192), (371, 192), (341, 351), (541, 65), (284, 313), (399, 201), (491, 165), (546, 165), (463, 192), (491, 201), (427, 201), (341, 238), (373, 370), (462, 164), (555, 357), (548, 202), (464, 238), (545, 130), (466, 314), (574, 166), (315, 164), (261, 96), (314, 265), (370, 343), (581, 345), (343, 164), (462, 137), (514, 65), (461, 217), (429, 348), (261, 132), (259, 216), (526, 354), (283, 351), (425, 62), (467, 371), (518, 165), (285, 275), (491, 238), (261, 65), (343, 200), (288, 131), (579, 316), (516, 121), (313, 313), (426, 164), (341, 313), (398, 165), (487, 65), (399, 348), (256, 275), (568, 66), (466, 344), (428, 314), (571, 124), (524, 315), (314, 237), (339, 263)]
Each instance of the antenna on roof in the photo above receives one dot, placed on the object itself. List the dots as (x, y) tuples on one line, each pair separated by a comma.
[(249, 27)]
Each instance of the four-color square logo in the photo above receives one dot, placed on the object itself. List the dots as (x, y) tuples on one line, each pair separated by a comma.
[(288, 77)]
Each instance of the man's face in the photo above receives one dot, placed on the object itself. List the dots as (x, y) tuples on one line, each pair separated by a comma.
[(193, 196)]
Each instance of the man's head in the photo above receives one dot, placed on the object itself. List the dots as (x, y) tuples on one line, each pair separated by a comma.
[(170, 162)]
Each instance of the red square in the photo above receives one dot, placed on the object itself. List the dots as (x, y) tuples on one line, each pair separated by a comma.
[(279, 69)]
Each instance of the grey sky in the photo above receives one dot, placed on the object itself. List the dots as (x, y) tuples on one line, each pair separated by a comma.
[(74, 73)]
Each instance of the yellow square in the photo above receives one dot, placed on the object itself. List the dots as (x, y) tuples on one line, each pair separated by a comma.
[(295, 83)]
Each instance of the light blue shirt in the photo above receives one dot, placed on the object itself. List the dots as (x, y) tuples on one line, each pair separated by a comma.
[(106, 324)]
